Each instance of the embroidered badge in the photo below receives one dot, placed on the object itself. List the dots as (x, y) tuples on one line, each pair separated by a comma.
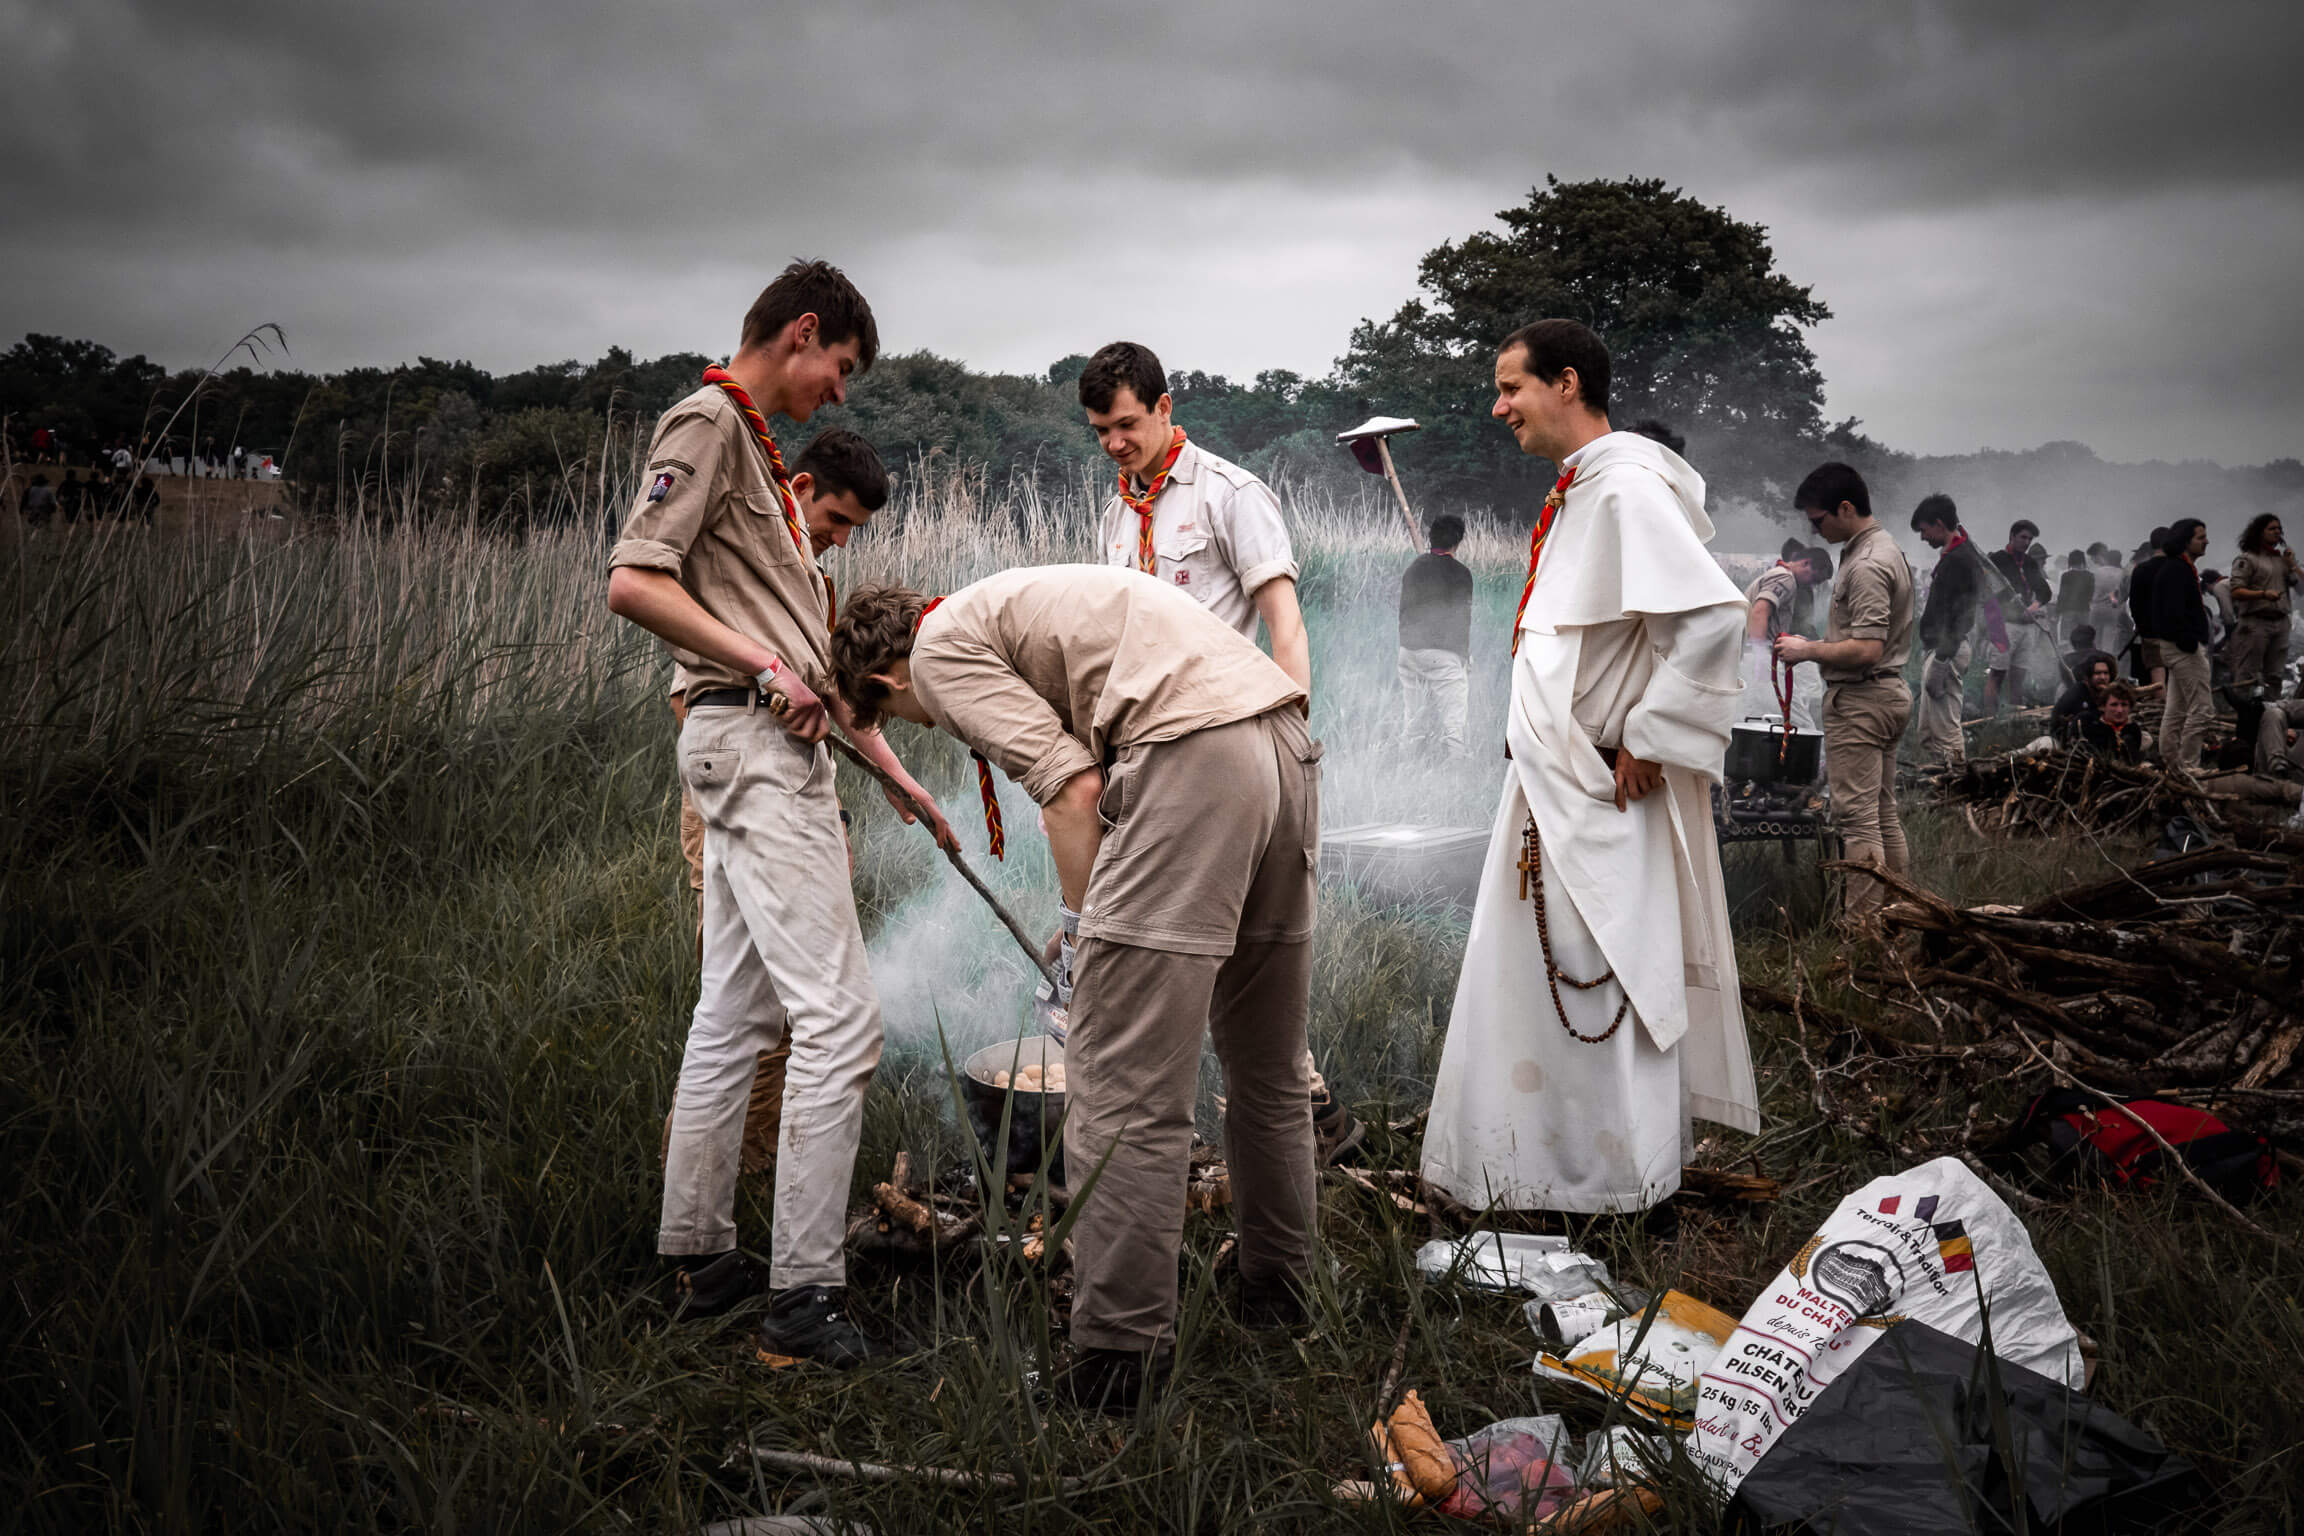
[(662, 487), (1183, 578)]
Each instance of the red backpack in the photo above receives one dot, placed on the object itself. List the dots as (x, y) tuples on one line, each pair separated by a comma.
[(2097, 1143)]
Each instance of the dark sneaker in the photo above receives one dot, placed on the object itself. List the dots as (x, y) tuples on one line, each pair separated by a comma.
[(805, 1322), (1113, 1381), (1337, 1134), (709, 1288), (1267, 1304)]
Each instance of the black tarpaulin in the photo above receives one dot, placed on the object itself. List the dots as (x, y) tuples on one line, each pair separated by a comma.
[(1928, 1436)]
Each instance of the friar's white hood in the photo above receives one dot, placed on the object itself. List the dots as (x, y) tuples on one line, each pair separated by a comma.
[(1623, 452)]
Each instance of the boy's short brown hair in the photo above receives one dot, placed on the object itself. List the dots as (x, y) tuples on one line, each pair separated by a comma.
[(821, 289), (874, 631)]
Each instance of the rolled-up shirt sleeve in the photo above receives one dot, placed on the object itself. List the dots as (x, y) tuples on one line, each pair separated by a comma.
[(1253, 539), (675, 500), (1684, 715), (970, 690)]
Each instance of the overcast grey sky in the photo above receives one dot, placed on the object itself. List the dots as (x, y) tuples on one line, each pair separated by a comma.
[(2031, 222)]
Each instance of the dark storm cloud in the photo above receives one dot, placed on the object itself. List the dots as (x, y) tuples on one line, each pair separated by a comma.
[(516, 182)]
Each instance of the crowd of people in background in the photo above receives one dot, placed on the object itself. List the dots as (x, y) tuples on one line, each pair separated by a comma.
[(54, 480), (2131, 654)]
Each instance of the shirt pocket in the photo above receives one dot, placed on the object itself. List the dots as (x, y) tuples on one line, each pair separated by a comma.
[(1189, 559), (769, 534)]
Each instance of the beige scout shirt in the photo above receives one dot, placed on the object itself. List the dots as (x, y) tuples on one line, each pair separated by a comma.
[(1216, 535), (2261, 573), (1872, 600), (1049, 669), (709, 515), (1782, 589)]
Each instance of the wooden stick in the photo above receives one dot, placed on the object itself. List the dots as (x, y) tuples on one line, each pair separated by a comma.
[(1384, 452), (779, 703), (1398, 1364), (876, 1472)]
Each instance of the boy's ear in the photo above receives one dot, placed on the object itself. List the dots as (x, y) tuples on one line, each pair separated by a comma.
[(802, 484)]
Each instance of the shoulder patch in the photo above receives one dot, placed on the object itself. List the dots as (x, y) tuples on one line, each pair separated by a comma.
[(662, 486), (681, 465)]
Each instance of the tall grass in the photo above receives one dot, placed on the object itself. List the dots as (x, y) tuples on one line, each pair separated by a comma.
[(344, 959)]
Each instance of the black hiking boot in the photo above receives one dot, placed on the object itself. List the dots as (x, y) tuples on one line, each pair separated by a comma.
[(1113, 1381), (707, 1287), (806, 1322)]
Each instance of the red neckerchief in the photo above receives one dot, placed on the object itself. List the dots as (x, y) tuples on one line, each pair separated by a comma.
[(1536, 538), (994, 830), (715, 374), (1140, 502), (1959, 537)]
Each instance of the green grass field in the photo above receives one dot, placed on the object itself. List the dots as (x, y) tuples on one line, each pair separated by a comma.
[(345, 954)]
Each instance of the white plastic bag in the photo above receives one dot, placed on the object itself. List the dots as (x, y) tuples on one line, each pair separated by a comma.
[(1912, 1245), (1509, 1261)]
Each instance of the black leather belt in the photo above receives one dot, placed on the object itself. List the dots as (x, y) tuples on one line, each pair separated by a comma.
[(712, 697)]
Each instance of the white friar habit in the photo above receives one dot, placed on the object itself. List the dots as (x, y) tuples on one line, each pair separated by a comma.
[(1631, 638)]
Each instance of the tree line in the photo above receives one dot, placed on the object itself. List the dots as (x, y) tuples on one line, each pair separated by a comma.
[(1706, 334)]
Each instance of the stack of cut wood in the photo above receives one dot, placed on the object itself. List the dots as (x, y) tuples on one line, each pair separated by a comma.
[(2058, 790), (2182, 978)]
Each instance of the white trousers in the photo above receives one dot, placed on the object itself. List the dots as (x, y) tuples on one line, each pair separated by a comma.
[(1435, 693), (780, 942)]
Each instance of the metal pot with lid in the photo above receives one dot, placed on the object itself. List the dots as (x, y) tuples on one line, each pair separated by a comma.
[(1766, 749)]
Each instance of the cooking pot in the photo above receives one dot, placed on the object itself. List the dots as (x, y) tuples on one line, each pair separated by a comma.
[(1759, 748), (1035, 1120)]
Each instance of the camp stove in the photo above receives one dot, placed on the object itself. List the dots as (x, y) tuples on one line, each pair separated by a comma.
[(1761, 811)]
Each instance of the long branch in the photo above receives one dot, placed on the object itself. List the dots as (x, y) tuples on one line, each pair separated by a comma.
[(778, 703)]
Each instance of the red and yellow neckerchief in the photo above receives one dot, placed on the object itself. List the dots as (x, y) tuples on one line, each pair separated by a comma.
[(1140, 502), (994, 831), (715, 374), (1536, 538)]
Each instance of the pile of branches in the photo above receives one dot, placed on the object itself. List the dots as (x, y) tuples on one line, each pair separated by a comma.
[(2060, 789), (2182, 979)]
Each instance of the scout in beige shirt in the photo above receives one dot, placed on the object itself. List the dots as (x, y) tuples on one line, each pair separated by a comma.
[(2263, 574), (1181, 796), (1197, 522), (1867, 639), (1774, 605), (717, 561), (1207, 527)]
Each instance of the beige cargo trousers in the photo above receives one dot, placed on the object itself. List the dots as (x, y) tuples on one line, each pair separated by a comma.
[(765, 1112), (1198, 918), (784, 964)]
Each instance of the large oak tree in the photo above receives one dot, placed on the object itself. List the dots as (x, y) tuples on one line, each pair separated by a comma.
[(1704, 333)]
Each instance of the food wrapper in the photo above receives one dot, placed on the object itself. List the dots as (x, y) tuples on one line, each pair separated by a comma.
[(1658, 1378)]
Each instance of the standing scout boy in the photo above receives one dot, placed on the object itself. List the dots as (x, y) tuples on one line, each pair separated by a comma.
[(1181, 794), (716, 561), (839, 482), (1772, 603), (1210, 529), (1867, 638)]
